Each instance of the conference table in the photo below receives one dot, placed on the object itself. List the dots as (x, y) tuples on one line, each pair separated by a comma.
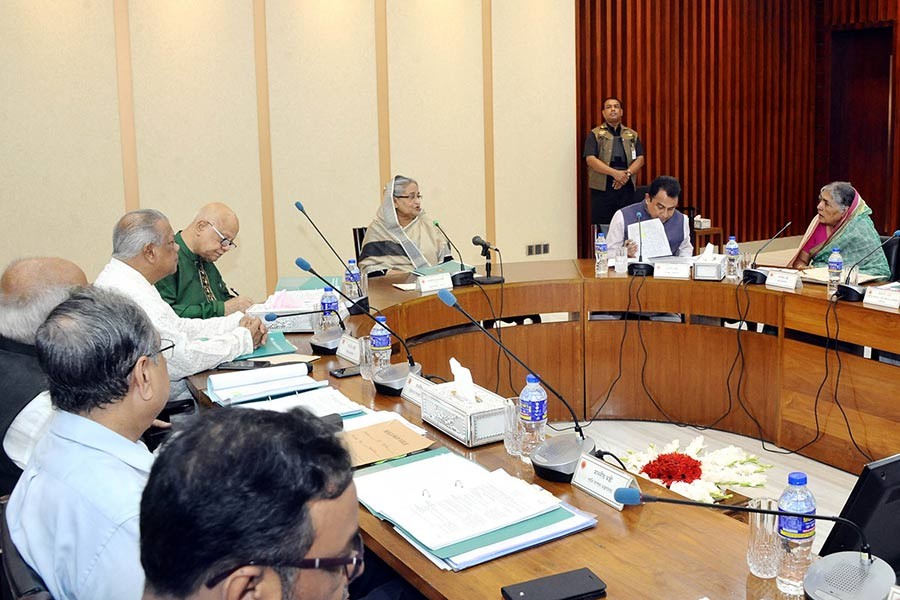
[(654, 550)]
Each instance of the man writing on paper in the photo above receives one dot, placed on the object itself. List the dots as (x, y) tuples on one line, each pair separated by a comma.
[(196, 289), (144, 251), (660, 203)]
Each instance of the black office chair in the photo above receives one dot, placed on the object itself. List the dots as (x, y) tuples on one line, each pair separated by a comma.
[(22, 583), (640, 192), (892, 253)]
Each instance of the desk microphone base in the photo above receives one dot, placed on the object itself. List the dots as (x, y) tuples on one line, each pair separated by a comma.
[(390, 380), (850, 293), (557, 457), (463, 278), (847, 576), (326, 343), (492, 280), (754, 277), (640, 269), (361, 306)]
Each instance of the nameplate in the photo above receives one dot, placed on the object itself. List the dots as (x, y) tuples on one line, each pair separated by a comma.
[(601, 480), (414, 388), (883, 298), (671, 271), (779, 280), (348, 348), (433, 283)]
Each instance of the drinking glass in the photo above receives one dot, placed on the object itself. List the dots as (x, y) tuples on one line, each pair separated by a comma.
[(512, 427), (365, 358), (621, 256), (762, 548)]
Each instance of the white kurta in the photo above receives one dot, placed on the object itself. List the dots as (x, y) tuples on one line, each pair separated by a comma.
[(200, 344)]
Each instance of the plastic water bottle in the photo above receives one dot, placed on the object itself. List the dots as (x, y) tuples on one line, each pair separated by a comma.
[(329, 321), (533, 413), (353, 280), (835, 270), (795, 534), (380, 339), (732, 256), (601, 266)]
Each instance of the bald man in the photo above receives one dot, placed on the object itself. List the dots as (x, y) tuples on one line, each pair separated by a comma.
[(30, 289), (196, 290)]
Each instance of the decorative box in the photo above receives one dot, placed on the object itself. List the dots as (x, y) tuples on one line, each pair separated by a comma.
[(470, 423), (711, 268)]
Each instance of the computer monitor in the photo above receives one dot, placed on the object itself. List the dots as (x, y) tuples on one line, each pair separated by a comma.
[(874, 505)]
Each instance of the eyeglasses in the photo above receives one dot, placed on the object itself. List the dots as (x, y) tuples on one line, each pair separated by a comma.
[(416, 196), (167, 348), (352, 565), (226, 243)]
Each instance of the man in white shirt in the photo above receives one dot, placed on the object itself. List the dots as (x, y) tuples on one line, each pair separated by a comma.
[(29, 289), (74, 513), (660, 203), (145, 251)]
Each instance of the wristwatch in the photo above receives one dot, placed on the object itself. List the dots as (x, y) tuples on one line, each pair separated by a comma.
[(628, 173)]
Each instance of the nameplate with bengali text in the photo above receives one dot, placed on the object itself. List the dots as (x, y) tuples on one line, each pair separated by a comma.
[(883, 298), (601, 480), (348, 348), (672, 271), (779, 280), (414, 388), (433, 283)]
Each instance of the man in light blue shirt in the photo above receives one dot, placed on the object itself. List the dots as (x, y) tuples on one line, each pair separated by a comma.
[(74, 513)]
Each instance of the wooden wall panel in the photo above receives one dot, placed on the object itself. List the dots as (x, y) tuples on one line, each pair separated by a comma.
[(722, 94)]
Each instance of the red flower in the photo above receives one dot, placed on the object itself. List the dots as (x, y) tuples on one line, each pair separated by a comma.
[(673, 467)]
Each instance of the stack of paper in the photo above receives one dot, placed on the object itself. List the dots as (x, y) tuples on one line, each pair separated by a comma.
[(459, 514), (227, 389), (320, 402)]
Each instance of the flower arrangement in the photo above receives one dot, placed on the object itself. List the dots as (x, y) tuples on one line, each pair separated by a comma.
[(695, 473)]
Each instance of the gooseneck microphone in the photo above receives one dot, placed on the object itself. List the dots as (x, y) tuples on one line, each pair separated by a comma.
[(849, 292), (363, 303), (839, 576), (555, 459), (753, 275), (486, 248), (640, 268), (464, 276), (389, 380), (274, 316)]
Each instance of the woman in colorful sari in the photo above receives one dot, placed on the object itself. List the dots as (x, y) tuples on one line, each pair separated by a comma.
[(843, 222), (401, 236)]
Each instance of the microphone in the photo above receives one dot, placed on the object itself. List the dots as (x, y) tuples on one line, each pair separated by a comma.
[(555, 459), (486, 248), (855, 293), (464, 276), (753, 275), (840, 576), (363, 302), (273, 316), (389, 380), (640, 268)]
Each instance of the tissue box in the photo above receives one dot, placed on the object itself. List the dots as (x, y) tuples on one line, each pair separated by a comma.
[(470, 423), (702, 223), (710, 269)]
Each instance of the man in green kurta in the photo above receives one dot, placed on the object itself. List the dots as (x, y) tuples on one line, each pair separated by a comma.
[(196, 290)]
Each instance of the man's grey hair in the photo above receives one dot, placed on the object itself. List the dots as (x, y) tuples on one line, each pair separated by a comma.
[(20, 316), (135, 230), (89, 345), (842, 192)]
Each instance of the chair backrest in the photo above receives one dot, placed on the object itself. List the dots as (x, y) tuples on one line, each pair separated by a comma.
[(892, 253), (359, 233), (640, 192), (21, 580)]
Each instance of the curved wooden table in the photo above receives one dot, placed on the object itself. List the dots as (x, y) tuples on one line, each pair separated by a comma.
[(653, 551)]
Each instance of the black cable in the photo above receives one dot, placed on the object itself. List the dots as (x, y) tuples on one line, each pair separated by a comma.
[(494, 317), (837, 380), (433, 377), (602, 454)]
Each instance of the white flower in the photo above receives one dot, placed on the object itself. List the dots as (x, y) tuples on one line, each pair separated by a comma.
[(726, 467)]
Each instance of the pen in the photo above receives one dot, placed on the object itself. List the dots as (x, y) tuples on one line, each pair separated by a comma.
[(233, 291)]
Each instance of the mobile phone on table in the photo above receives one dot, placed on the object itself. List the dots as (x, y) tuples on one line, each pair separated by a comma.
[(345, 372), (243, 365), (580, 584)]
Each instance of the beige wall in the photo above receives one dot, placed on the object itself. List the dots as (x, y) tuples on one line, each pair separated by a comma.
[(195, 85)]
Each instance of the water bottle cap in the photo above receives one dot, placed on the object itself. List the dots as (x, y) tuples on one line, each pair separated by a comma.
[(381, 319), (797, 478), (731, 238), (838, 250), (351, 261), (531, 378), (328, 288)]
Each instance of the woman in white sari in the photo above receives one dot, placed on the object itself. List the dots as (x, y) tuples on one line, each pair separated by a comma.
[(401, 236)]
